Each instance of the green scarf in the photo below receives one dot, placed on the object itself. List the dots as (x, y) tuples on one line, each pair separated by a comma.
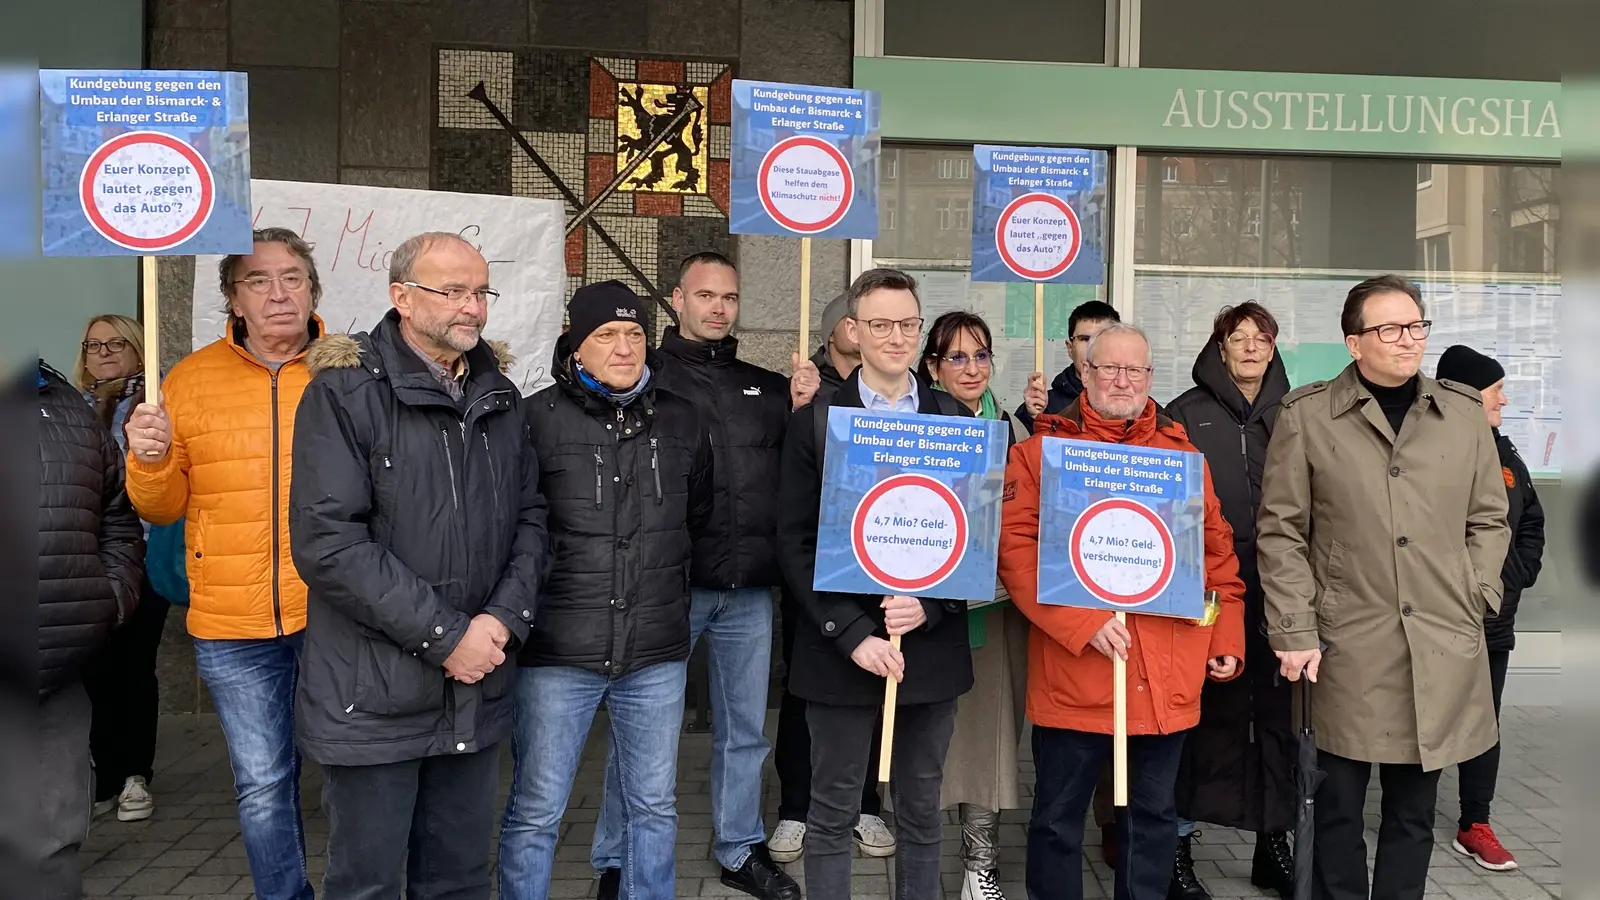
[(987, 407), (978, 619)]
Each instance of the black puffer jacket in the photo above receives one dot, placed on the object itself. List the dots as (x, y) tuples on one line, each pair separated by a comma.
[(747, 409), (1237, 768), (1526, 558), (937, 656), (409, 514), (629, 490), (91, 545)]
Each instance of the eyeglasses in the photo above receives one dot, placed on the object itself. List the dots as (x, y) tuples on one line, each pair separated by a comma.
[(1239, 341), (1134, 374), (1389, 333), (260, 284), (880, 328), (983, 358), (115, 345), (458, 295)]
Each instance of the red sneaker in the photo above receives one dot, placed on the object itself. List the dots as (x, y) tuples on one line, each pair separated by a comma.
[(1480, 843)]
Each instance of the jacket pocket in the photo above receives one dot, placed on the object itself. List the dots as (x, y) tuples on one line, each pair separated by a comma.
[(392, 682), (1332, 589), (385, 469), (499, 682)]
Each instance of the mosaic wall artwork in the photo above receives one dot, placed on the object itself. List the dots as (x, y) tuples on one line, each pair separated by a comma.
[(643, 141)]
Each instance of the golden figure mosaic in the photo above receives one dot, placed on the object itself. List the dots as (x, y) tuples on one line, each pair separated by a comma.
[(646, 112)]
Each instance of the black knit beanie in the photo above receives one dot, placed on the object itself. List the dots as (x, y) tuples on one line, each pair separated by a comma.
[(594, 305), (1468, 366)]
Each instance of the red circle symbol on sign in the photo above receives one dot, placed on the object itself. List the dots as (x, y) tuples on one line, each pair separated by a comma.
[(1047, 257), (180, 204), (919, 498), (1108, 512), (828, 179)]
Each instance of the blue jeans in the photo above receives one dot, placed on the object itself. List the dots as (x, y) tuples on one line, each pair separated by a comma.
[(252, 684), (739, 626), (1067, 764), (1186, 827), (555, 706)]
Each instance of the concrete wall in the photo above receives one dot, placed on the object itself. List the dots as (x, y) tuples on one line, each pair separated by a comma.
[(340, 90)]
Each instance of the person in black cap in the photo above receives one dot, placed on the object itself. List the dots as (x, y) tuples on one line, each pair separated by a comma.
[(626, 467), (1462, 364)]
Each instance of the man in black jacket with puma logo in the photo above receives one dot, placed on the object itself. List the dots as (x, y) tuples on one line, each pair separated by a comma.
[(733, 568)]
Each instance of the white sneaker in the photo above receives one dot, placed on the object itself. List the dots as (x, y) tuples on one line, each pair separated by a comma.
[(981, 886), (135, 804), (788, 841), (874, 837)]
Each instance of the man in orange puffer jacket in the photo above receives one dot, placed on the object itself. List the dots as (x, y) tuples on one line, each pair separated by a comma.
[(217, 452), (1069, 649)]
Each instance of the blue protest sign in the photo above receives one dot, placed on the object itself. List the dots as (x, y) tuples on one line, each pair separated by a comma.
[(144, 162), (910, 505), (1039, 214), (1122, 528), (805, 161)]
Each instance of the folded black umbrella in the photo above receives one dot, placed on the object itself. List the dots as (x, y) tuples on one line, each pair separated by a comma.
[(1307, 777)]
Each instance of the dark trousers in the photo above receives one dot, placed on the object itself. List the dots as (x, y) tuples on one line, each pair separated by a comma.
[(1067, 764), (64, 788), (122, 687), (426, 821), (791, 751), (841, 741), (1478, 774), (1405, 837)]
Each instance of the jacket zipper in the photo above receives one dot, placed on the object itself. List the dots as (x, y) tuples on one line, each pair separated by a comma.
[(655, 470), (599, 461), (277, 600), (450, 462)]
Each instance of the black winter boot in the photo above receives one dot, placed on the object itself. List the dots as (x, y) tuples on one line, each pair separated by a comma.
[(1185, 884), (1272, 869)]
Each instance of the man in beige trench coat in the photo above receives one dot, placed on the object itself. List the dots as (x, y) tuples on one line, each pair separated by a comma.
[(1382, 534)]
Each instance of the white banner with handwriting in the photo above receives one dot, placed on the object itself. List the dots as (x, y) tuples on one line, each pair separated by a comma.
[(353, 231)]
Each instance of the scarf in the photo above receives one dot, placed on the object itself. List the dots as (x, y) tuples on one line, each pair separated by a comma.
[(987, 407), (619, 399), (107, 396)]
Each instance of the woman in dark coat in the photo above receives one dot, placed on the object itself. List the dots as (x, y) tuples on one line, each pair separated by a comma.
[(1238, 766)]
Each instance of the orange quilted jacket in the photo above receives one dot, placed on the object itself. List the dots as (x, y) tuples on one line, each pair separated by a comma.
[(228, 473)]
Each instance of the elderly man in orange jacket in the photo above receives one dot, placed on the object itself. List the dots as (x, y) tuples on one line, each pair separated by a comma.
[(1070, 649)]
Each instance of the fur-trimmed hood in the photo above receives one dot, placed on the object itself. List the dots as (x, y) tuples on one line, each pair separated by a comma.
[(343, 351)]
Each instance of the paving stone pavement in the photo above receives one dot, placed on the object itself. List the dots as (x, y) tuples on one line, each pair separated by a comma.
[(191, 847)]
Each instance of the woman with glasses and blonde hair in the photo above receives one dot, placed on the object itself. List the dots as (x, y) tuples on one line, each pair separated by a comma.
[(1237, 768), (981, 767), (216, 452), (121, 680)]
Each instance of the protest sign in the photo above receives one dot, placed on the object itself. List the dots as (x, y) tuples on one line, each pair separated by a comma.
[(804, 161), (354, 230), (144, 162), (1122, 528), (910, 505), (1038, 214)]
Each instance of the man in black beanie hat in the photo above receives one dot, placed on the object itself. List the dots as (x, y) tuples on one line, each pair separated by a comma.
[(626, 468), (1462, 364)]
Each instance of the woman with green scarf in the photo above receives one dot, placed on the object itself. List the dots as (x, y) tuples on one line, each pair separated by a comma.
[(981, 768)]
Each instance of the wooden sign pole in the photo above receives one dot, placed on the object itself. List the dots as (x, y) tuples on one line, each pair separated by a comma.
[(1038, 326), (152, 331), (886, 745), (1119, 733), (805, 299)]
